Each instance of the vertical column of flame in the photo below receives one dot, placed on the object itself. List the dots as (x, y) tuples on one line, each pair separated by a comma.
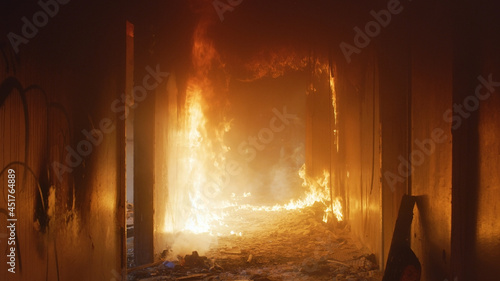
[(199, 152), (334, 106)]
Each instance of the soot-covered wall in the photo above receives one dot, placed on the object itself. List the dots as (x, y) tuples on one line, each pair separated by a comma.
[(425, 86), (437, 121), (61, 69)]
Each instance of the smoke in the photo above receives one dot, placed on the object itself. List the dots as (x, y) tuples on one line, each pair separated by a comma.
[(199, 151), (285, 181), (184, 243)]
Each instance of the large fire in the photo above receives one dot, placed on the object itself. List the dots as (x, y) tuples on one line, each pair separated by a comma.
[(195, 203), (316, 191)]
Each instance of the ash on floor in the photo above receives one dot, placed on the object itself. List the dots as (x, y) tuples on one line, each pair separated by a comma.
[(285, 245)]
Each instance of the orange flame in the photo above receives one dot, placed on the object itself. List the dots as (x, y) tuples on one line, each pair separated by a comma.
[(199, 150), (317, 191), (200, 153)]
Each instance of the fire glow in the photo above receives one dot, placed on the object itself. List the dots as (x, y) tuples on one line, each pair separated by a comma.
[(317, 191), (195, 201)]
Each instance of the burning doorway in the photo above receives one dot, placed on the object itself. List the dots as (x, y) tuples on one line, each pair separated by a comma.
[(231, 145), (235, 163)]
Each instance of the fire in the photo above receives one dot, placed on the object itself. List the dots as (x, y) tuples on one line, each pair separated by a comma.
[(275, 63), (317, 191), (200, 215), (198, 151), (334, 107), (194, 214)]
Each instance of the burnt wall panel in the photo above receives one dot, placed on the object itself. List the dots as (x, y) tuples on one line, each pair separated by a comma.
[(487, 250), (318, 118), (350, 142), (371, 213), (487, 230), (394, 88), (475, 178), (394, 146), (144, 172), (431, 138), (165, 124), (69, 209), (357, 164)]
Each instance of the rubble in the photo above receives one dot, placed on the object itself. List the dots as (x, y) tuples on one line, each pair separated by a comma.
[(289, 245)]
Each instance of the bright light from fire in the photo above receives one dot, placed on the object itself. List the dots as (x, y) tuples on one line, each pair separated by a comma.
[(200, 153), (317, 191)]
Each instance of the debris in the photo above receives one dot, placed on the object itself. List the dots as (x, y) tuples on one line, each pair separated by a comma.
[(273, 248), (194, 260), (232, 251), (182, 262), (340, 277), (164, 254), (192, 277), (169, 264), (158, 278), (338, 262), (258, 277), (215, 267), (144, 266)]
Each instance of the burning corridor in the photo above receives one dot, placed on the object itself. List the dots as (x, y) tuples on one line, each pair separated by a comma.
[(249, 140), (281, 245)]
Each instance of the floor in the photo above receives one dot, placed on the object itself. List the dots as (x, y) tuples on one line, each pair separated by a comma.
[(278, 245)]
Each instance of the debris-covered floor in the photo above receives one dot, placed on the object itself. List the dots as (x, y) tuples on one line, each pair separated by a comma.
[(284, 245)]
